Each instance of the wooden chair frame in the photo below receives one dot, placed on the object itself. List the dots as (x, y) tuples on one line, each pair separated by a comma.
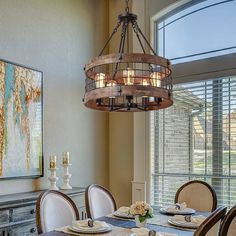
[(214, 205), (87, 204), (224, 228), (38, 207), (209, 222)]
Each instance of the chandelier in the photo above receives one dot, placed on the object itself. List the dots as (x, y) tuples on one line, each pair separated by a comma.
[(128, 82)]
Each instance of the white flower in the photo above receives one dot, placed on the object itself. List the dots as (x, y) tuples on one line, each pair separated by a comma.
[(141, 208)]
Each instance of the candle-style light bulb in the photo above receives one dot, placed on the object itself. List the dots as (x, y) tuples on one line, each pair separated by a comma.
[(145, 82), (128, 75), (155, 79), (111, 83), (100, 80)]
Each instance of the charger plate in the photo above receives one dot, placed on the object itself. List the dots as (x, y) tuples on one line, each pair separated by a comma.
[(182, 224), (91, 230)]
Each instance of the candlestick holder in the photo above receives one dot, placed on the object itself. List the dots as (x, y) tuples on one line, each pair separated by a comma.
[(53, 179), (66, 177)]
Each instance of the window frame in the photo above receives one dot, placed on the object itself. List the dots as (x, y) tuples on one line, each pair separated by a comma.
[(155, 20)]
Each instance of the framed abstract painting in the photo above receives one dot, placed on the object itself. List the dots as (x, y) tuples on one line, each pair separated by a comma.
[(21, 121)]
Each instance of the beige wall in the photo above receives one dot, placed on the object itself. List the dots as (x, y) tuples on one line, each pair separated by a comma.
[(121, 156), (58, 37), (155, 6)]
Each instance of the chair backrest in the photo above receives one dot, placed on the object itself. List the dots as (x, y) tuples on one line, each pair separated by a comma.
[(210, 226), (228, 226), (198, 195), (99, 201), (54, 210)]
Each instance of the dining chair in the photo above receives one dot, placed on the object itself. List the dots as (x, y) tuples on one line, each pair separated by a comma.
[(210, 226), (54, 210), (198, 195), (228, 225), (99, 201)]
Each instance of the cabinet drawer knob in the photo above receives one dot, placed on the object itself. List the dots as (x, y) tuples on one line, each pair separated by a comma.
[(33, 230), (32, 211)]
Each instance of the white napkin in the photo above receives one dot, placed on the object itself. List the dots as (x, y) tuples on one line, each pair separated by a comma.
[(182, 206), (84, 224), (144, 232), (124, 210), (193, 219)]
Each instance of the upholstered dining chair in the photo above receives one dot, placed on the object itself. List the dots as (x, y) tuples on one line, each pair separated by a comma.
[(54, 210), (198, 195), (228, 225), (99, 201), (210, 226)]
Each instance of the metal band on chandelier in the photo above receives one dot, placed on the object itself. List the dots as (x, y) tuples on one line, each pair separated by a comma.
[(128, 81)]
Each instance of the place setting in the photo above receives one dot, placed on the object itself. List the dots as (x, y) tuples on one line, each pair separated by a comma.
[(182, 216), (87, 226), (123, 213), (90, 227), (186, 221), (177, 209)]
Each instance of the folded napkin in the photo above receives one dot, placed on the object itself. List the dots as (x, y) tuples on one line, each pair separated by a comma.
[(176, 207), (124, 210), (193, 219), (84, 224), (145, 231)]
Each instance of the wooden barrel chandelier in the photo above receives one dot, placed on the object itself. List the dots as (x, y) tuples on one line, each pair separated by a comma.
[(128, 82)]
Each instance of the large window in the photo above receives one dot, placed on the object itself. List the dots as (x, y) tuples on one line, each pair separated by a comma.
[(196, 137)]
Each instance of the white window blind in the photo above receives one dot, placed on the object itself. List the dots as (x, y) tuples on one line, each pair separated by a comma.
[(195, 139)]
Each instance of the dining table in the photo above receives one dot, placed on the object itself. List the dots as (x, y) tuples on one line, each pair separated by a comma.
[(159, 223)]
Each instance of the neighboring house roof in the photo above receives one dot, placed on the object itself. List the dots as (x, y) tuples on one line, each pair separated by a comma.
[(193, 103)]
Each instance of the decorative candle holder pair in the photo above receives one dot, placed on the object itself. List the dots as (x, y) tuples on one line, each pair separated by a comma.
[(66, 175)]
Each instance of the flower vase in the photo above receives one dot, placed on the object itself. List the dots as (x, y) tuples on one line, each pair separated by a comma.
[(140, 224)]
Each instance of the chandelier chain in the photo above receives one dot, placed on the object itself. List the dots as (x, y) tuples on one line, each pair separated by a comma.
[(134, 25), (149, 45), (121, 47), (124, 33), (111, 36), (127, 6)]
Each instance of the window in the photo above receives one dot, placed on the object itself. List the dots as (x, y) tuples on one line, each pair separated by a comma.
[(196, 139), (200, 31)]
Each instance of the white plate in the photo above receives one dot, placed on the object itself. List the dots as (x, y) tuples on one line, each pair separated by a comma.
[(189, 225), (186, 211), (87, 230), (123, 215)]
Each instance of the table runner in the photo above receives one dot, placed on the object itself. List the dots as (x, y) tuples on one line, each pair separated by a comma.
[(158, 219), (159, 228), (125, 224)]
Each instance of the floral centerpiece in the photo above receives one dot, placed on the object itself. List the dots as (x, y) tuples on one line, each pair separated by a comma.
[(142, 211)]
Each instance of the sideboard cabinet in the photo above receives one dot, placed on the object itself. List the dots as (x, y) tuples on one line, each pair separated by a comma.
[(17, 211)]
